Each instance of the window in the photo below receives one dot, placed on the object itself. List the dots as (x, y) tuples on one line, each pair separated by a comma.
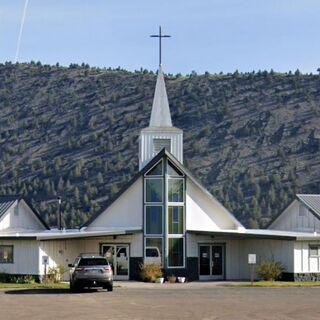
[(159, 144), (175, 220), (314, 250), (172, 171), (175, 190), (156, 170), (153, 220), (175, 258), (154, 190), (6, 254)]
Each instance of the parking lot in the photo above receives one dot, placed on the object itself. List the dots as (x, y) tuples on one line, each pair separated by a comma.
[(168, 301)]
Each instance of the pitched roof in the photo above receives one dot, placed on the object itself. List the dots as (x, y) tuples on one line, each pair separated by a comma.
[(145, 169), (160, 114), (312, 201), (7, 201)]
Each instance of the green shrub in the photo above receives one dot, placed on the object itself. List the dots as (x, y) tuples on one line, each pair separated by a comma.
[(14, 278), (150, 272), (270, 270)]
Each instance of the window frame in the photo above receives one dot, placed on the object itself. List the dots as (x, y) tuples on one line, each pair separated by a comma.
[(145, 189), (183, 252), (12, 249), (318, 250), (145, 221), (147, 174)]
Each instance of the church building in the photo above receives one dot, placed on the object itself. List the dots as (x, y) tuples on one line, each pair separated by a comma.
[(164, 215)]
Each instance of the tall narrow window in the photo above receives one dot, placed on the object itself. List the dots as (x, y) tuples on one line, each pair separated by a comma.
[(6, 254), (153, 220), (154, 190), (175, 258), (175, 190), (175, 220)]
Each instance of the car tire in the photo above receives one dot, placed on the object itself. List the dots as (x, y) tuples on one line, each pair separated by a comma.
[(110, 287)]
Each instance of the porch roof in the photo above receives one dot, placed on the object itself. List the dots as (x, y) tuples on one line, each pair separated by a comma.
[(68, 234), (260, 234)]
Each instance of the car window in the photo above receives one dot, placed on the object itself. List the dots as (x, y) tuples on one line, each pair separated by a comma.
[(152, 252), (92, 262)]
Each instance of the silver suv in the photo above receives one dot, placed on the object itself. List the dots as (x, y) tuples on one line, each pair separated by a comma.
[(90, 271)]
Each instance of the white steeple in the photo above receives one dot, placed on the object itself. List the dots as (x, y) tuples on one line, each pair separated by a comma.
[(160, 114), (160, 133)]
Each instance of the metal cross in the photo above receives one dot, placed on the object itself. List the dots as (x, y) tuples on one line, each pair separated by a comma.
[(160, 36)]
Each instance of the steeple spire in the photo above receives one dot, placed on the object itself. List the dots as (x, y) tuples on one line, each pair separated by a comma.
[(160, 114)]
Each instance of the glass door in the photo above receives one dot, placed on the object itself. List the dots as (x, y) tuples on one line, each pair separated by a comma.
[(118, 257), (211, 262)]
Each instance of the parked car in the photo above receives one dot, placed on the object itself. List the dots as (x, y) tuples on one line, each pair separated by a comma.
[(152, 255), (90, 271)]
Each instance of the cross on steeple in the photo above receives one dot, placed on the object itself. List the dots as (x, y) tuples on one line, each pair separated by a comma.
[(160, 36)]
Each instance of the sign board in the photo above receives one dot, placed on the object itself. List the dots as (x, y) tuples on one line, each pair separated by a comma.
[(45, 260), (252, 258)]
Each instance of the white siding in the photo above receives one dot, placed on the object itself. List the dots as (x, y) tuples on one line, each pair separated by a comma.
[(25, 257), (63, 252), (146, 144), (204, 213), (20, 217), (126, 211), (303, 263), (290, 220), (237, 250)]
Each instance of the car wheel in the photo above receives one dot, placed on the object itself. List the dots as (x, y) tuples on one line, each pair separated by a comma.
[(110, 287)]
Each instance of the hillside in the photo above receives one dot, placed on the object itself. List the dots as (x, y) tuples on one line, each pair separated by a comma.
[(252, 139)]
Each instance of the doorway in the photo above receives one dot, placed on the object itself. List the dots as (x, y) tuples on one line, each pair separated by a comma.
[(211, 262), (118, 257)]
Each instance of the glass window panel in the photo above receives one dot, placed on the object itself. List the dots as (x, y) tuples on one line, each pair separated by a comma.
[(175, 190), (154, 190), (172, 171), (175, 258), (153, 219), (156, 170), (154, 248), (175, 220), (6, 254), (314, 251)]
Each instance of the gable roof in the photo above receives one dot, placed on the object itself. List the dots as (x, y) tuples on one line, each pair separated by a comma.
[(312, 201), (7, 201), (145, 169)]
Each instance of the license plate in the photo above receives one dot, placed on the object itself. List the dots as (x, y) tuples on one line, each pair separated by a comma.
[(93, 271)]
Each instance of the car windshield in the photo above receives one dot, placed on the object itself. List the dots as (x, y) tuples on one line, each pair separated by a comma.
[(92, 262)]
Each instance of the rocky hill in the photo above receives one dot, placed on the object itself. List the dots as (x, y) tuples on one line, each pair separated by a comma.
[(252, 139)]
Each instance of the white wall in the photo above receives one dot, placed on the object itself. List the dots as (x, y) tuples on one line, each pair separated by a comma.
[(20, 217), (25, 257), (63, 252), (290, 220), (126, 211), (203, 213), (146, 143), (303, 263), (237, 251)]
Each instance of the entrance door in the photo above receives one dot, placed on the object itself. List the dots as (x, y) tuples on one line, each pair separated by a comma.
[(211, 262), (118, 257)]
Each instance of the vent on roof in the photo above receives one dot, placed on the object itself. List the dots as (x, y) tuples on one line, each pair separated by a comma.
[(159, 144)]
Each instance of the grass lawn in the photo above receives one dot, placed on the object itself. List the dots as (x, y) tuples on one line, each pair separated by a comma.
[(62, 285), (276, 284)]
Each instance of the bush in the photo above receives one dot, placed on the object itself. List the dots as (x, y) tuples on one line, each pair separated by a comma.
[(270, 270), (55, 274), (150, 272), (13, 278)]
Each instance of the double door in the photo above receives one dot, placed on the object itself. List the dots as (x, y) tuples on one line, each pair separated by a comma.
[(118, 257), (211, 262)]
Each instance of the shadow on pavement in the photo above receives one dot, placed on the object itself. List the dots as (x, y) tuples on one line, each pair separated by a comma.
[(46, 291)]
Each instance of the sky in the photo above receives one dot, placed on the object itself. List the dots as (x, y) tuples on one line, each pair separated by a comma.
[(207, 35)]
